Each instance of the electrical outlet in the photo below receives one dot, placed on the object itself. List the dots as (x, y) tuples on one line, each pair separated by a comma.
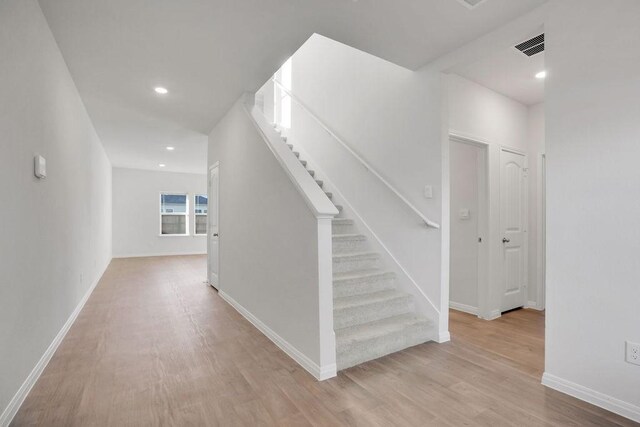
[(633, 353)]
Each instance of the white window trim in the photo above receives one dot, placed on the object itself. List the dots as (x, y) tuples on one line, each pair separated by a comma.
[(195, 214), (281, 100), (186, 213)]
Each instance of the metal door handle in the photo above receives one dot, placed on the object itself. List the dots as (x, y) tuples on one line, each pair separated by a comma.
[(215, 234), (505, 240)]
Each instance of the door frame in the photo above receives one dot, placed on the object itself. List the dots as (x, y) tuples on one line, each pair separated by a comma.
[(483, 217), (542, 232), (209, 281), (526, 223)]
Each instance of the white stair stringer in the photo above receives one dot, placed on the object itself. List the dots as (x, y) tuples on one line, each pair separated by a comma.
[(371, 318)]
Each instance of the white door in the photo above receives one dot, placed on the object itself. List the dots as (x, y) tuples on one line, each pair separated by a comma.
[(213, 226), (513, 225), (464, 225)]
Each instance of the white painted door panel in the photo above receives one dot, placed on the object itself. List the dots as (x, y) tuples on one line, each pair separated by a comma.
[(213, 227), (464, 217), (513, 225)]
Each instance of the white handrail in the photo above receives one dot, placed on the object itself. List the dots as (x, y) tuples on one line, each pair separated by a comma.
[(426, 220)]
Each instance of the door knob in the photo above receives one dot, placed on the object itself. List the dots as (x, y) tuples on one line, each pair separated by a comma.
[(505, 240), (215, 234)]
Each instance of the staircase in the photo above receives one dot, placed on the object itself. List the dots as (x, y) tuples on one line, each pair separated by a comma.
[(371, 318)]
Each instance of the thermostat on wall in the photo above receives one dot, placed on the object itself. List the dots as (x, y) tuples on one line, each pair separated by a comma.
[(40, 167)]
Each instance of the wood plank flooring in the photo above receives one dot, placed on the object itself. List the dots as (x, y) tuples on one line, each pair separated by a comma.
[(156, 346)]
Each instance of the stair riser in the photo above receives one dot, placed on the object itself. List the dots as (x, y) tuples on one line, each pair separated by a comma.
[(363, 351), (342, 228), (354, 264), (343, 318), (346, 246), (350, 287)]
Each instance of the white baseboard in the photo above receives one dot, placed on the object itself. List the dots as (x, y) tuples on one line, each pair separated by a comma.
[(493, 314), (533, 305), (604, 401), (159, 254), (319, 372), (463, 307), (15, 403)]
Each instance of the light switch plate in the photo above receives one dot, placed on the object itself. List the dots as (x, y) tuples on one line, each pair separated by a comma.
[(464, 213), (428, 191), (40, 167)]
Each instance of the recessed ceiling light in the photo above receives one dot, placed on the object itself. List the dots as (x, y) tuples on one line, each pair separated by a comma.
[(162, 165), (161, 90), (541, 75), (170, 148)]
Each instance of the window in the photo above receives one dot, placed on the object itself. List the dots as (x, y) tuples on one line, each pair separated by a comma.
[(282, 101), (201, 207), (174, 214)]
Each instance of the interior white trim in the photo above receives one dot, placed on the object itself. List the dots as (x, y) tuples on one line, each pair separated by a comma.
[(443, 336), (209, 279), (145, 255), (465, 308), (602, 400), (364, 163), (325, 294), (493, 314), (542, 226), (319, 372), (22, 393), (533, 305)]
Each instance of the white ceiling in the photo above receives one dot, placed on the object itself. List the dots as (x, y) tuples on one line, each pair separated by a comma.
[(208, 52), (509, 72)]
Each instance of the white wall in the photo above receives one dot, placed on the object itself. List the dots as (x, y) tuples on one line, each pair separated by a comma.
[(136, 212), (56, 236), (481, 114), (391, 117), (593, 200), (269, 243), (464, 187)]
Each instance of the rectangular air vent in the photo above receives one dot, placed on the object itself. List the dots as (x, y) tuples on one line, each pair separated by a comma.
[(532, 46)]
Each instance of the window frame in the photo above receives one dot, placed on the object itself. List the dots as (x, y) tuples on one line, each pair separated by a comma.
[(162, 214), (196, 215), (282, 102)]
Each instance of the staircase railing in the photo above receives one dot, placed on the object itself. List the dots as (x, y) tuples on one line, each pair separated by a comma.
[(362, 161)]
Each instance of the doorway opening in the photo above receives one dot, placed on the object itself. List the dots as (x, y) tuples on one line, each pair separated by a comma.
[(497, 166), (469, 208), (213, 233)]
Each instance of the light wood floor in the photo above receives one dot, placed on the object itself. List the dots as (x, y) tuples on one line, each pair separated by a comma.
[(155, 346)]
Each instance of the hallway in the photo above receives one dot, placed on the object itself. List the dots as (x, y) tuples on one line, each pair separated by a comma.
[(156, 345)]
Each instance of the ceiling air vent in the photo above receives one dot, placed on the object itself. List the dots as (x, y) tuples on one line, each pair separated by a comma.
[(532, 46), (471, 4)]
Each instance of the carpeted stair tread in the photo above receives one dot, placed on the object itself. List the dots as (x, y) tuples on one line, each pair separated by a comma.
[(367, 299), (348, 236), (378, 328), (363, 274)]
